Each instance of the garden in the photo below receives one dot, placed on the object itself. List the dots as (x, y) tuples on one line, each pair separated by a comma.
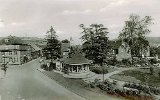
[(102, 69), (141, 75), (128, 91)]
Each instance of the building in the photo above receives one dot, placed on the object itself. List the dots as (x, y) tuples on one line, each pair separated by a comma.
[(14, 51), (35, 51), (65, 49), (15, 54), (123, 51), (77, 66)]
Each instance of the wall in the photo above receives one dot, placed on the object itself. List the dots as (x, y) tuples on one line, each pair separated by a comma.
[(9, 47), (123, 53), (14, 53), (146, 53), (12, 57), (65, 48)]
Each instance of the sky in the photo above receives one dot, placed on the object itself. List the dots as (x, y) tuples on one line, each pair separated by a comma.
[(32, 18)]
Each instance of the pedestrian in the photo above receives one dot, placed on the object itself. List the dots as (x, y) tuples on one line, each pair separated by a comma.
[(48, 64)]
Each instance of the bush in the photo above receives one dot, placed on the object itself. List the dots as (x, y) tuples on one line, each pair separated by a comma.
[(153, 61), (151, 70), (126, 61), (159, 73), (44, 66), (112, 62), (99, 70), (92, 85)]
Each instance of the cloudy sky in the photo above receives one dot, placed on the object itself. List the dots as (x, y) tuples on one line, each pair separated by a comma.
[(34, 17)]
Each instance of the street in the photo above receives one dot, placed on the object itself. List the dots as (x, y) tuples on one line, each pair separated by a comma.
[(26, 83)]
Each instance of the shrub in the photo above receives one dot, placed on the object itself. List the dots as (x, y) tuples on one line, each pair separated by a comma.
[(92, 85), (151, 70), (65, 71), (112, 62), (44, 66), (52, 66), (126, 61), (153, 61), (99, 70), (159, 73)]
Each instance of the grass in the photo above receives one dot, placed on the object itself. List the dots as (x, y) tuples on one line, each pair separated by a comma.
[(140, 74), (78, 86), (99, 70), (66, 82)]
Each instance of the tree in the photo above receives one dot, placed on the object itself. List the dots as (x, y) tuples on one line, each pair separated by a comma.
[(154, 51), (136, 27), (139, 46), (134, 33), (159, 74), (95, 42), (65, 41), (94, 30), (53, 47)]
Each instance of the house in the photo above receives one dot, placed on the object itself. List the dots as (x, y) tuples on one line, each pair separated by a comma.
[(35, 51), (77, 66), (65, 49), (121, 51), (14, 51)]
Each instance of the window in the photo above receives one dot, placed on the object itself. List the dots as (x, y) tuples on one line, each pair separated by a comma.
[(15, 52), (13, 60), (116, 51), (10, 59), (17, 59), (1, 60), (6, 40), (2, 53), (10, 53)]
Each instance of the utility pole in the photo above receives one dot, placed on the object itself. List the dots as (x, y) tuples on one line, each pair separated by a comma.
[(102, 59)]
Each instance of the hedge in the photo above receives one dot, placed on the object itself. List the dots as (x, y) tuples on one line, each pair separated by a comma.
[(99, 70)]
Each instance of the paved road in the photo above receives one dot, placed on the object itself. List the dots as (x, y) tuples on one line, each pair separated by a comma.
[(26, 83)]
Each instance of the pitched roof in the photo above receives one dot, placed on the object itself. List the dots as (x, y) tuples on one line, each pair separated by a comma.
[(65, 47), (76, 59), (116, 44), (35, 47), (12, 40)]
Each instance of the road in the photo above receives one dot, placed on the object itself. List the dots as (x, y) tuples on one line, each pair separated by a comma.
[(26, 83)]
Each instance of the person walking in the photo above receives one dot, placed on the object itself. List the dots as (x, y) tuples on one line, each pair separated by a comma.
[(48, 65)]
